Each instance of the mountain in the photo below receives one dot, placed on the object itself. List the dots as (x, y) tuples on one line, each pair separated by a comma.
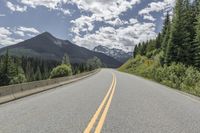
[(118, 54), (47, 46)]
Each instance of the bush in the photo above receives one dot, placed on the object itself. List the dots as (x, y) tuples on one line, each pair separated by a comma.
[(61, 71), (191, 80), (20, 78)]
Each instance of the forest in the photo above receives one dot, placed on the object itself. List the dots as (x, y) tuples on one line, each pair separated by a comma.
[(16, 70), (173, 57)]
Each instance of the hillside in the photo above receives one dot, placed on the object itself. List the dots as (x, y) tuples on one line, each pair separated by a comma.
[(48, 47)]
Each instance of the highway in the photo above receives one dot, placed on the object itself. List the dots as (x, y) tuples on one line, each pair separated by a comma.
[(107, 102)]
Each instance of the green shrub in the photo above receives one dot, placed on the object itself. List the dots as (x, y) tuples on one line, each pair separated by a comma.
[(61, 71), (173, 75), (191, 79), (20, 78)]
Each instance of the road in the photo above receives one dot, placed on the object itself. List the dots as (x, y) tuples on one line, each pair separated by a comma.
[(108, 102)]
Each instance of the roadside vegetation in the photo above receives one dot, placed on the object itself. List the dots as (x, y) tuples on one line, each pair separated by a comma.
[(62, 70), (173, 58)]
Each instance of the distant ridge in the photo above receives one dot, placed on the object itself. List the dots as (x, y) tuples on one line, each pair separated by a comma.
[(47, 46), (118, 54)]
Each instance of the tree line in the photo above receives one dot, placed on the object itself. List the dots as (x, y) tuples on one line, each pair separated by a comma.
[(15, 70), (179, 41)]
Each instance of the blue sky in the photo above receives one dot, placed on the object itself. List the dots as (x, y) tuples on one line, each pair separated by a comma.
[(88, 23)]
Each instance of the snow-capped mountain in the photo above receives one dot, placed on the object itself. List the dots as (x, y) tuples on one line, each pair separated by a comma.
[(118, 54)]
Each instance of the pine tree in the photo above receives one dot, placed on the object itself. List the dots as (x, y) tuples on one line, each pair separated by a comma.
[(38, 75), (66, 60), (29, 72), (158, 41), (135, 52), (196, 5), (150, 46), (197, 43), (4, 72), (166, 32), (179, 42)]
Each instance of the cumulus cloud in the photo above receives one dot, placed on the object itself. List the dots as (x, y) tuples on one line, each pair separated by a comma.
[(163, 6), (116, 22), (106, 9), (50, 4), (9, 36), (149, 17), (16, 8), (28, 29), (5, 36), (82, 24), (123, 38)]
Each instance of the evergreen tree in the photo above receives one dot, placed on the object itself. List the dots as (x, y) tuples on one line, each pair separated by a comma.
[(179, 44), (38, 75), (166, 32), (197, 43), (135, 52), (150, 46), (29, 72), (158, 41), (66, 60), (196, 5), (4, 72)]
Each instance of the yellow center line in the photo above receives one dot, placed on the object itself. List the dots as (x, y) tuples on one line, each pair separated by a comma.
[(104, 114), (94, 118)]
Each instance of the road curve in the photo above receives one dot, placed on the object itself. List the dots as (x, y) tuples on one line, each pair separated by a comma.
[(110, 102)]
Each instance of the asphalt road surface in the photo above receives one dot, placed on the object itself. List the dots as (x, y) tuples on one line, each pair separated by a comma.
[(108, 102)]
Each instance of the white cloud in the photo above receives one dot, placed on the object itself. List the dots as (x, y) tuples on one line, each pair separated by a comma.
[(128, 34), (116, 22), (20, 33), (82, 24), (9, 36), (123, 38), (106, 9), (5, 36), (149, 17), (16, 8), (153, 7), (163, 6), (65, 12), (51, 4), (28, 29)]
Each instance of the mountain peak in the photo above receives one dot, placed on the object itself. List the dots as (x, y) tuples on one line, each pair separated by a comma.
[(46, 34)]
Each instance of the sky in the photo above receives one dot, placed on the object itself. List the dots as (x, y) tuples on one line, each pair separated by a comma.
[(118, 24)]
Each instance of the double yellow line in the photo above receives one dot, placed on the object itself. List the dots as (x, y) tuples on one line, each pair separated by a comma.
[(104, 106)]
